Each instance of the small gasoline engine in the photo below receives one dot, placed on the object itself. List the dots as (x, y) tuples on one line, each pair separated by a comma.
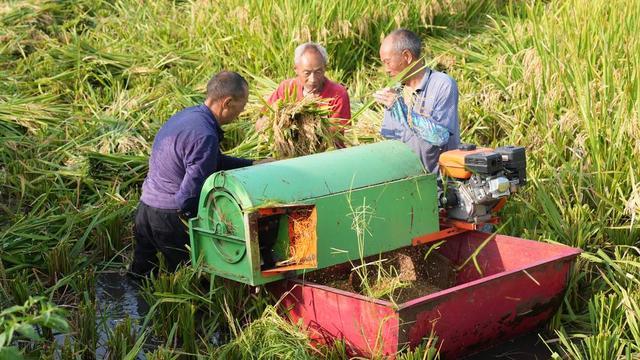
[(477, 181)]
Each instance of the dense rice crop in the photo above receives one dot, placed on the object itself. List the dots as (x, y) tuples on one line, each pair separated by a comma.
[(84, 86)]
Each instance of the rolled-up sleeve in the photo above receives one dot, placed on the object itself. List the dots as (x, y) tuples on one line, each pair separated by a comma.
[(200, 161)]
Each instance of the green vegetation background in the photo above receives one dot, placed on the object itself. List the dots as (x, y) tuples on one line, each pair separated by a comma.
[(84, 86)]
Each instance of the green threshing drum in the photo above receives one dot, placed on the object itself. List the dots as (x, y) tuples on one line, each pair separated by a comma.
[(257, 223)]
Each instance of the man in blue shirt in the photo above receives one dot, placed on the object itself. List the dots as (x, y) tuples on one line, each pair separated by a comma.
[(186, 150), (432, 94)]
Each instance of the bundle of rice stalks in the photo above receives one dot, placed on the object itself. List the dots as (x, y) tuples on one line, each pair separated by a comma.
[(300, 127)]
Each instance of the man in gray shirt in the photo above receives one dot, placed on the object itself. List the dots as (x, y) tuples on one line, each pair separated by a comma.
[(432, 94)]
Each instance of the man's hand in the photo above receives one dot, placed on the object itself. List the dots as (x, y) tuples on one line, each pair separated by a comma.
[(386, 97), (185, 215), (262, 123), (263, 161)]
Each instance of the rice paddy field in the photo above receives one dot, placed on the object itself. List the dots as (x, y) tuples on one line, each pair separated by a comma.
[(85, 85)]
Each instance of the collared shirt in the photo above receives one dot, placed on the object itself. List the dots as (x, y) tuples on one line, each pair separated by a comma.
[(335, 93), (437, 98), (186, 150)]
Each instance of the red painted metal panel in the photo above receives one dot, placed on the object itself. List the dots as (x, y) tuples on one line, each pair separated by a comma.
[(371, 327), (521, 286), (471, 316)]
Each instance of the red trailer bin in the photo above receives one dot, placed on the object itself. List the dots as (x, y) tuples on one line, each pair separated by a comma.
[(521, 286)]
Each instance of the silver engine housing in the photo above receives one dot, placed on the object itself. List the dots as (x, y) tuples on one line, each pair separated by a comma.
[(476, 197)]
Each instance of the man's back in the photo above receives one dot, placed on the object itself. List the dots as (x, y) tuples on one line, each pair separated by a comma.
[(180, 139), (185, 152)]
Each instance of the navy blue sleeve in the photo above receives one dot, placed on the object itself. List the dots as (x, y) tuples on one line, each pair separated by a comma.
[(200, 160), (229, 162)]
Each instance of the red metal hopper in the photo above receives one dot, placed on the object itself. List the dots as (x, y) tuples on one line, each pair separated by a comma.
[(521, 286)]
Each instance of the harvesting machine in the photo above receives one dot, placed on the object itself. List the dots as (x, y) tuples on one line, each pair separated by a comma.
[(280, 222)]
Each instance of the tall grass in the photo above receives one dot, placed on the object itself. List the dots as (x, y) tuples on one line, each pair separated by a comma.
[(85, 85)]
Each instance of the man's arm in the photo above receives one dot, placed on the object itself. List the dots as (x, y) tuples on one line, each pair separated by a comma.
[(200, 160), (229, 162)]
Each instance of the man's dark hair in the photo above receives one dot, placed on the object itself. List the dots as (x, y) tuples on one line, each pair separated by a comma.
[(404, 39), (227, 83)]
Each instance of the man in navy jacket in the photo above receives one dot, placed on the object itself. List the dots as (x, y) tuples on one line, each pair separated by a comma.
[(185, 152)]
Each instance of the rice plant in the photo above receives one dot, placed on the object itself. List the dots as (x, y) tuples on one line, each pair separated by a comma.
[(123, 341), (297, 128), (268, 337), (31, 321), (85, 85)]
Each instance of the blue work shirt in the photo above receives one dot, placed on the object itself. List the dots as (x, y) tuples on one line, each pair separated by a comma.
[(185, 152), (436, 98)]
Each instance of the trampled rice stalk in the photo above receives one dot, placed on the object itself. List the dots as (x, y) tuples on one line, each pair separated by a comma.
[(34, 114), (127, 169), (271, 336)]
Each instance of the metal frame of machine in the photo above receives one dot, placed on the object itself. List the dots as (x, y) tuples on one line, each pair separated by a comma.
[(243, 229), (251, 220)]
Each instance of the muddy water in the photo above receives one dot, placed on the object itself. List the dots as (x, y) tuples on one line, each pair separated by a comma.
[(116, 298)]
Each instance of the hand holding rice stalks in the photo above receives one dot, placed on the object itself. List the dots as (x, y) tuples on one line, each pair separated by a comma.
[(300, 127)]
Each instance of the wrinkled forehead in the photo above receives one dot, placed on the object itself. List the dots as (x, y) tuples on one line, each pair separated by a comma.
[(311, 60)]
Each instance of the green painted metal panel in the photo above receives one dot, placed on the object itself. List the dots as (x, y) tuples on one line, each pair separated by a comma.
[(385, 179), (393, 213), (294, 180)]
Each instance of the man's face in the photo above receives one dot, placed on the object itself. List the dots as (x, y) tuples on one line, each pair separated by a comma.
[(310, 71), (232, 107), (394, 62)]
